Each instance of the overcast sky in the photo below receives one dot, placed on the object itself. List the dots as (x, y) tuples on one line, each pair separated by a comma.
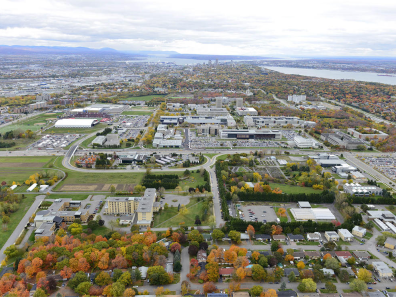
[(260, 27)]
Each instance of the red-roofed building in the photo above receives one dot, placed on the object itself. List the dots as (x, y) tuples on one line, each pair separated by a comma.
[(344, 254), (226, 271)]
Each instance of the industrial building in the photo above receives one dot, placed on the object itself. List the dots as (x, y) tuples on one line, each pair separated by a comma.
[(332, 236), (382, 269), (326, 160), (370, 134), (342, 140), (212, 111), (356, 189), (208, 130), (262, 121), (228, 121), (251, 134), (244, 111), (314, 214), (76, 123), (302, 142)]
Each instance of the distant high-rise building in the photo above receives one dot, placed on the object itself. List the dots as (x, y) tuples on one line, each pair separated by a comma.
[(239, 102), (43, 97), (217, 62), (219, 102), (296, 98), (210, 62)]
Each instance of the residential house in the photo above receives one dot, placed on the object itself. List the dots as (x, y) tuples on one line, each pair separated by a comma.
[(359, 231), (390, 243), (288, 293), (328, 271), (343, 256), (226, 271), (313, 255), (314, 236), (263, 237), (245, 236), (382, 269), (240, 294), (279, 237), (332, 236), (298, 255), (349, 270), (287, 272), (345, 235), (295, 238), (207, 237), (361, 255), (202, 256)]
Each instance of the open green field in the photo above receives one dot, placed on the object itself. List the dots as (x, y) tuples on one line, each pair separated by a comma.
[(294, 189), (101, 230), (18, 169), (137, 112), (73, 196), (143, 98), (193, 181), (171, 217), (15, 218), (96, 128), (34, 123), (282, 219)]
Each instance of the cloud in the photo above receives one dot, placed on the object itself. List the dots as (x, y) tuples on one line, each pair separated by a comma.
[(306, 27)]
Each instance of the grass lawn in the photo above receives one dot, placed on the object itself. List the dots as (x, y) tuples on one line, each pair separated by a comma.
[(87, 142), (142, 98), (20, 143), (193, 181), (210, 156), (282, 219), (291, 215), (101, 230), (341, 242), (34, 123), (222, 157), (15, 218), (98, 127), (368, 235), (137, 112), (173, 218), (294, 189), (307, 243)]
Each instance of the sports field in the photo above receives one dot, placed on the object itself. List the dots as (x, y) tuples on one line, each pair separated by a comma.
[(98, 127), (34, 123), (137, 112)]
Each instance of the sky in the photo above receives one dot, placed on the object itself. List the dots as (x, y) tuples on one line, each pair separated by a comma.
[(260, 27)]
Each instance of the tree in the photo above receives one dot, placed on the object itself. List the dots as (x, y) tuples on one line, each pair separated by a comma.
[(256, 291), (119, 262), (185, 287), (116, 274), (235, 236), (292, 277), (240, 273), (343, 275), (230, 256), (330, 286), (159, 291), (275, 246), (269, 293), (283, 286), (103, 279), (217, 234), (157, 275), (258, 273), (83, 288), (326, 257), (117, 289), (212, 269), (83, 265), (332, 263), (193, 250), (80, 277), (209, 287), (307, 285), (351, 260), (51, 283), (129, 292), (300, 265), (66, 272), (75, 229), (93, 224), (364, 275), (358, 285), (177, 267), (40, 293), (194, 235), (250, 230)]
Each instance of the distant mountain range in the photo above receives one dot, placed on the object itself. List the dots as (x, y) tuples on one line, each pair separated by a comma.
[(65, 50)]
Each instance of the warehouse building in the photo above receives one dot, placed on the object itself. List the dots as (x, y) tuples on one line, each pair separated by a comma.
[(382, 269), (302, 142), (314, 214), (251, 134), (243, 111), (345, 235), (76, 123), (262, 121), (355, 189)]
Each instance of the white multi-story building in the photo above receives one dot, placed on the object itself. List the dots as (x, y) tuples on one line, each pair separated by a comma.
[(262, 121), (297, 98)]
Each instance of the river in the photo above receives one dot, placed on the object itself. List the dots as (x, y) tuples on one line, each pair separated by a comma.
[(337, 74)]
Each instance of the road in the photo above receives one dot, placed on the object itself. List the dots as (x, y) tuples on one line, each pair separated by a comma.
[(14, 236)]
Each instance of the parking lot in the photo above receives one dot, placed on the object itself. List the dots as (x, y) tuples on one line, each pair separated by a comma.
[(260, 212), (55, 141), (133, 121), (386, 165)]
